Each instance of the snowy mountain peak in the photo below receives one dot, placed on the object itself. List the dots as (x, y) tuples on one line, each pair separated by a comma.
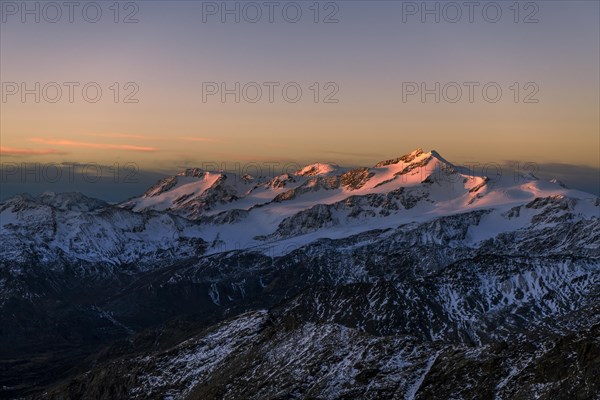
[(317, 169), (407, 158), (190, 175), (192, 172)]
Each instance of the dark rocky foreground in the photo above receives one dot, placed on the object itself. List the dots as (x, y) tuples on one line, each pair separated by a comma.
[(411, 312), (278, 355)]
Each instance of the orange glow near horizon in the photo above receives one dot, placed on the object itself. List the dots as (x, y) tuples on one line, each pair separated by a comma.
[(169, 56)]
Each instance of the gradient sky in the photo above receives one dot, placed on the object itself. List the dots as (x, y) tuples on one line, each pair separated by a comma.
[(369, 53)]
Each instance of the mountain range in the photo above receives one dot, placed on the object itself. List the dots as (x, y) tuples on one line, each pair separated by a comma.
[(410, 279)]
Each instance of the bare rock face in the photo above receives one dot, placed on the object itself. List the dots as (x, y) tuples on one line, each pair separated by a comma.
[(356, 178), (407, 158)]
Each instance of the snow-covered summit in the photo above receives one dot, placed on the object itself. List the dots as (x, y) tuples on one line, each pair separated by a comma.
[(407, 158), (317, 169)]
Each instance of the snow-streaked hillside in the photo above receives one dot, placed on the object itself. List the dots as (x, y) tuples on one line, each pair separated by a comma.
[(70, 227)]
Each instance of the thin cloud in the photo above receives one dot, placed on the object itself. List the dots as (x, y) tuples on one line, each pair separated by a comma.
[(145, 137), (120, 135), (105, 146), (13, 151)]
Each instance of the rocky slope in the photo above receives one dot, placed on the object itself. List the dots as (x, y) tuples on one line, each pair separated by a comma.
[(270, 355)]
